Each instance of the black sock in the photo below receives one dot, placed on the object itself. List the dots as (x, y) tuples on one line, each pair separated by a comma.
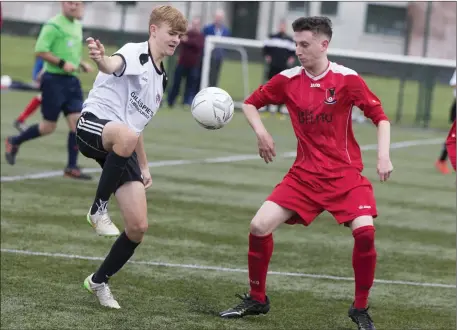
[(30, 133), (112, 171), (72, 150), (121, 251), (443, 155)]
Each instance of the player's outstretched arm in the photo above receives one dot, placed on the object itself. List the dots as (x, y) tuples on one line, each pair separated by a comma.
[(104, 63), (264, 140), (385, 166)]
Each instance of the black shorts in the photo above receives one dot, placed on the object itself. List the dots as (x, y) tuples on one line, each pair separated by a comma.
[(60, 93), (89, 139)]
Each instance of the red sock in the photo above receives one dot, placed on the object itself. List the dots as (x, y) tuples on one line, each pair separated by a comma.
[(364, 264), (29, 109), (260, 251)]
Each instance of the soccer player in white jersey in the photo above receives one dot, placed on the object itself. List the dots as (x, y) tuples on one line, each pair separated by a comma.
[(126, 95)]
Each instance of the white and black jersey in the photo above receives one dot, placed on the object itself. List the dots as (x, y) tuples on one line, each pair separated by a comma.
[(280, 47), (132, 95)]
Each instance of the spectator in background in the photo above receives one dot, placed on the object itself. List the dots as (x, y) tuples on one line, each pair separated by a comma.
[(190, 52), (441, 163), (279, 53), (217, 28)]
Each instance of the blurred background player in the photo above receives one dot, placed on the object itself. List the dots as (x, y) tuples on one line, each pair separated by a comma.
[(37, 72), (60, 87), (327, 172), (441, 163), (279, 54), (217, 28), (190, 53)]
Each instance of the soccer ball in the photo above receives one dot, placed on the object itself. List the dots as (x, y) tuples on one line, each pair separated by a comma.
[(6, 81), (212, 108)]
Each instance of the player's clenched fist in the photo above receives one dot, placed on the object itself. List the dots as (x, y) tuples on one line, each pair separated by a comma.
[(266, 147), (96, 49)]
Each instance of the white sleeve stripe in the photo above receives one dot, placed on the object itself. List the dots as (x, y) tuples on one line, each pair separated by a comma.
[(280, 43)]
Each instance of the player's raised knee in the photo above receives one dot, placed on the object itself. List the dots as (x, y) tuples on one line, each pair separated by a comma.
[(119, 138), (127, 144)]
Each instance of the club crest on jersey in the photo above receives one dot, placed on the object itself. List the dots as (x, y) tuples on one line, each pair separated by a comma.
[(330, 97)]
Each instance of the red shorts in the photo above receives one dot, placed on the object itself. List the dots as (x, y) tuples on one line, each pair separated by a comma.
[(346, 198)]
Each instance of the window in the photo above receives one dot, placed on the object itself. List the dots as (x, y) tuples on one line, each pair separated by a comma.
[(301, 7), (386, 20), (329, 8)]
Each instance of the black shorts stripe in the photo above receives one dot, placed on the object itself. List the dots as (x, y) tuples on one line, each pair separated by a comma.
[(89, 129)]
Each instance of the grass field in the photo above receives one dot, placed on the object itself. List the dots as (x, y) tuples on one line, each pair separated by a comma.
[(193, 259), (18, 57)]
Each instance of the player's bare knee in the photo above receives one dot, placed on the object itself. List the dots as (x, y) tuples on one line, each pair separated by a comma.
[(135, 231), (119, 138), (47, 127), (126, 144), (72, 119), (268, 218), (139, 224), (139, 229), (259, 227)]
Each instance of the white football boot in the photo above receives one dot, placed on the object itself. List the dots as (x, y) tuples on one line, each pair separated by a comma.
[(101, 221), (102, 292)]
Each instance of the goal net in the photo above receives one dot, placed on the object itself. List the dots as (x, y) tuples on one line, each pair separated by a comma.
[(413, 90)]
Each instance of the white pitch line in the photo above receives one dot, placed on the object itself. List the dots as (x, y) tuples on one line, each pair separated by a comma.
[(226, 159), (223, 269)]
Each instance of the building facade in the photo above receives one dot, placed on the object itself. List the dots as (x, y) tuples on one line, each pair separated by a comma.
[(382, 27)]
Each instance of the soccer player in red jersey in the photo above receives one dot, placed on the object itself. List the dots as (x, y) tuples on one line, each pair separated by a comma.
[(451, 146), (326, 174)]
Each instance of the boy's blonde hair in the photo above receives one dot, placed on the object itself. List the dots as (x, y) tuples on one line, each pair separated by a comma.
[(170, 15)]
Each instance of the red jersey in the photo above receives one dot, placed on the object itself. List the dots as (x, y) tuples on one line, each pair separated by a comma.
[(320, 109), (450, 145)]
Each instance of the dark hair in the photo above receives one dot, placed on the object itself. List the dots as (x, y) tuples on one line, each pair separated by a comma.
[(315, 24)]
